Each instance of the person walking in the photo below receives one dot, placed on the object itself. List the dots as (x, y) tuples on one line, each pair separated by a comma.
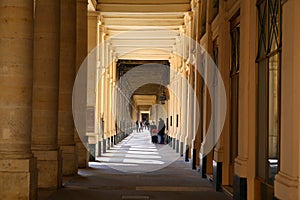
[(137, 126), (161, 130), (141, 126)]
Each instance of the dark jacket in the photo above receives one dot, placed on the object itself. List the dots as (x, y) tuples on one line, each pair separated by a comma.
[(161, 127)]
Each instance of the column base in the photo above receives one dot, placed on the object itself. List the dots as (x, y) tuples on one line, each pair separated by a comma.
[(112, 142), (82, 155), (170, 141), (187, 153), (286, 187), (217, 172), (49, 164), (177, 146), (104, 145), (99, 149), (108, 143), (69, 157), (239, 188), (240, 166), (181, 149), (19, 178), (92, 152), (194, 159), (174, 143), (115, 139), (203, 164)]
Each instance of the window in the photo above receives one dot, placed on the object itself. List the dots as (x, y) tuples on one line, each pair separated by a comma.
[(234, 87), (167, 123), (215, 9), (203, 18), (268, 96)]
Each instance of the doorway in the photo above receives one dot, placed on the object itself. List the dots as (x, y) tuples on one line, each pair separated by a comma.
[(145, 117)]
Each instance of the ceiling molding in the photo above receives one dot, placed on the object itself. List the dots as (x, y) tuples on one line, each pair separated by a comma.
[(145, 1), (142, 29), (109, 7)]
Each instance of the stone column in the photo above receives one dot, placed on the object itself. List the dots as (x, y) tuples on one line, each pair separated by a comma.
[(81, 53), (45, 93), (66, 81), (183, 92), (114, 111), (102, 89), (17, 165), (176, 106), (91, 83), (111, 122), (197, 97), (245, 163), (287, 180), (179, 129), (183, 104), (190, 107)]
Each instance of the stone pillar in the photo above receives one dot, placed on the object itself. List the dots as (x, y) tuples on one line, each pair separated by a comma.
[(81, 53), (188, 119), (66, 81), (178, 100), (111, 120), (91, 83), (183, 92), (190, 86), (106, 93), (245, 163), (102, 89), (45, 93), (287, 180), (17, 165), (114, 80), (179, 130)]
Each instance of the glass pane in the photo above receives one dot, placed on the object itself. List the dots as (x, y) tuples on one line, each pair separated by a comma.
[(262, 120), (234, 118), (235, 49), (203, 18), (215, 9), (273, 25), (261, 29), (238, 48), (273, 117)]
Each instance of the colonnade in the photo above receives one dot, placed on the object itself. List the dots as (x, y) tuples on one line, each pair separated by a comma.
[(43, 47)]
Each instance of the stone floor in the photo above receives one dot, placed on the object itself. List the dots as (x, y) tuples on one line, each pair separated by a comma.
[(137, 169)]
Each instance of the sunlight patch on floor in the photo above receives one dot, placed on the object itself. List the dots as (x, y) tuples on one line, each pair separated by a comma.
[(137, 153)]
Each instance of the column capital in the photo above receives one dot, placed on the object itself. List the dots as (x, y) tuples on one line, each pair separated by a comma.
[(94, 14), (188, 17), (195, 3), (102, 29), (182, 29)]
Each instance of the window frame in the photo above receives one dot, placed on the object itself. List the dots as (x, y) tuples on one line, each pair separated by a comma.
[(265, 59)]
